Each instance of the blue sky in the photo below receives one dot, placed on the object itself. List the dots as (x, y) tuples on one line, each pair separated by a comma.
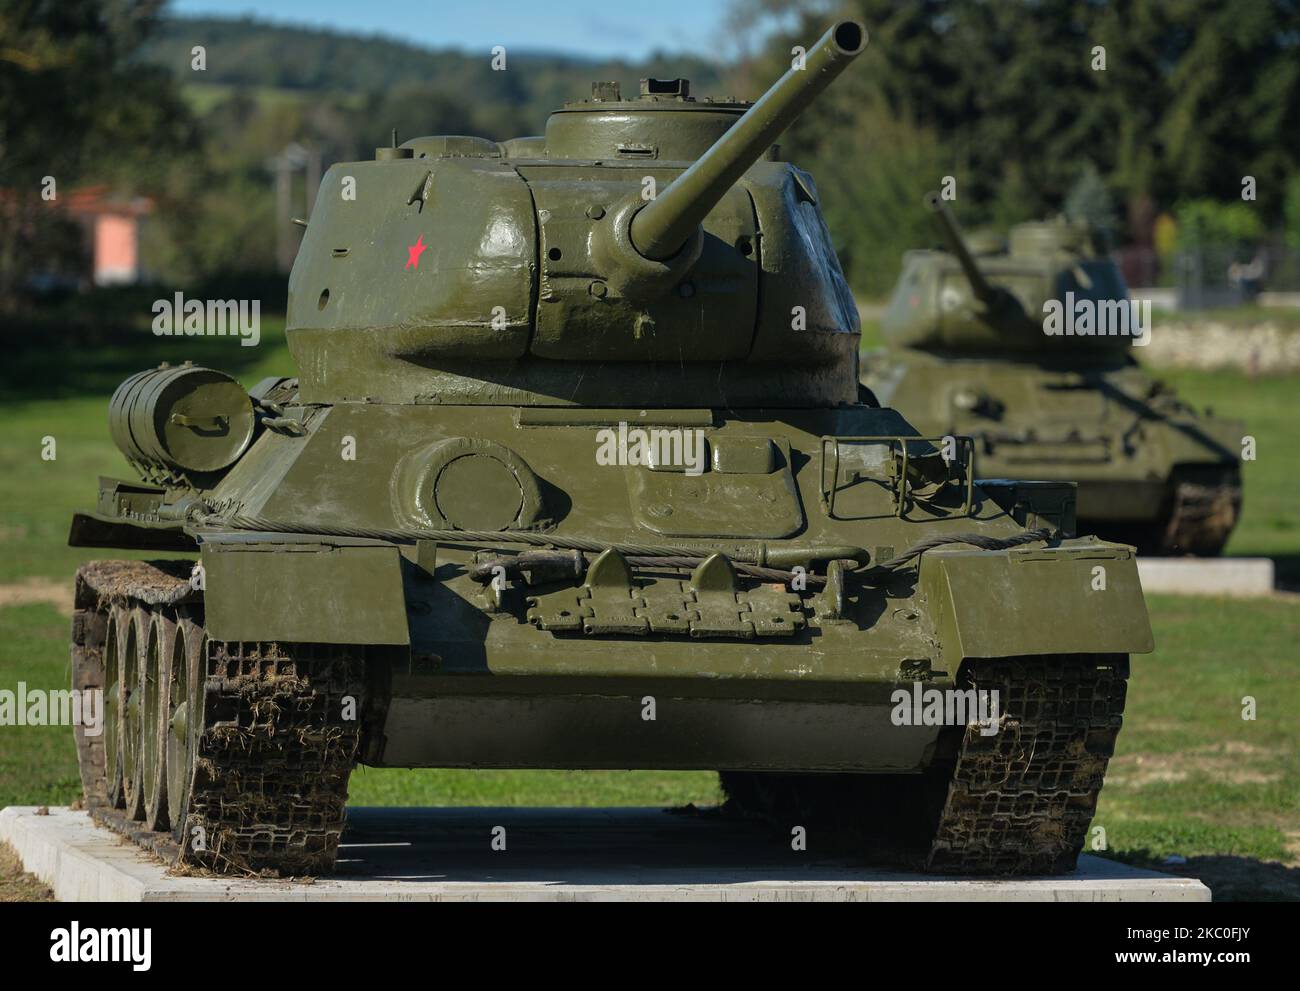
[(630, 28)]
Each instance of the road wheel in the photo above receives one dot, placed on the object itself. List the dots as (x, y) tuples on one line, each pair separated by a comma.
[(134, 645), (184, 719), (117, 620), (157, 676)]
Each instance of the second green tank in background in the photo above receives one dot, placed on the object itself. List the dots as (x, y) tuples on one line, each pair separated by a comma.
[(978, 343)]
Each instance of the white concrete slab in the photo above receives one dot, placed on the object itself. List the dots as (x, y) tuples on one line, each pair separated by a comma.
[(1161, 299), (1167, 299), (1282, 299), (551, 855), (1238, 577)]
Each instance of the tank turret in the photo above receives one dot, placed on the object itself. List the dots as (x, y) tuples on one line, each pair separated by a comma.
[(967, 301), (659, 233)]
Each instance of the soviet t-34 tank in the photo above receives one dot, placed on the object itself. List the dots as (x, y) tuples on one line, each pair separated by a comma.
[(989, 339), (576, 427)]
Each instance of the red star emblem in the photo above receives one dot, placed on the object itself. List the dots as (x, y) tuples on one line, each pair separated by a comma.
[(414, 251)]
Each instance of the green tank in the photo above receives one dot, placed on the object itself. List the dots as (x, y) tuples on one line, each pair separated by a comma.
[(968, 351), (574, 474)]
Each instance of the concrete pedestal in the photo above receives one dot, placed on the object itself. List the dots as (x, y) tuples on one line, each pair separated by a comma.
[(1238, 577), (550, 855)]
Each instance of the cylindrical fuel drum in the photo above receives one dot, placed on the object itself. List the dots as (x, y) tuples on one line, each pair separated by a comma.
[(184, 417)]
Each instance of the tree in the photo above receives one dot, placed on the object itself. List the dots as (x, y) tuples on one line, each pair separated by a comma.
[(74, 105), (1194, 95), (1090, 201)]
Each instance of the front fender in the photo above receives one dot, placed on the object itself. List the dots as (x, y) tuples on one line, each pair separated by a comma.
[(1036, 601), (263, 587)]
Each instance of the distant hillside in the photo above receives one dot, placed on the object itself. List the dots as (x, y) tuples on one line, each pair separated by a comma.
[(269, 87), (255, 54)]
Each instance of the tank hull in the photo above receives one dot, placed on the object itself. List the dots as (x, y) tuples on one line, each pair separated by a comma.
[(314, 596)]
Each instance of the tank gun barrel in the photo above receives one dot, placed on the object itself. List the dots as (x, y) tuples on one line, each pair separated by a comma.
[(957, 245), (663, 226)]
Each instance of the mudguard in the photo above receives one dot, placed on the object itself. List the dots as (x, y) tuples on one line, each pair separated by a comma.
[(1028, 601), (265, 587)]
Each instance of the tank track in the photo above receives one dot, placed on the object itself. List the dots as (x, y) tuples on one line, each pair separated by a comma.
[(1020, 801), (271, 777), (1016, 802), (272, 751), (1205, 508)]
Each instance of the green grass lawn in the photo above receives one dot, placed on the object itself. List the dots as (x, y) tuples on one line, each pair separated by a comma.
[(1270, 521), (38, 497), (1191, 777), (387, 786), (1287, 317)]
